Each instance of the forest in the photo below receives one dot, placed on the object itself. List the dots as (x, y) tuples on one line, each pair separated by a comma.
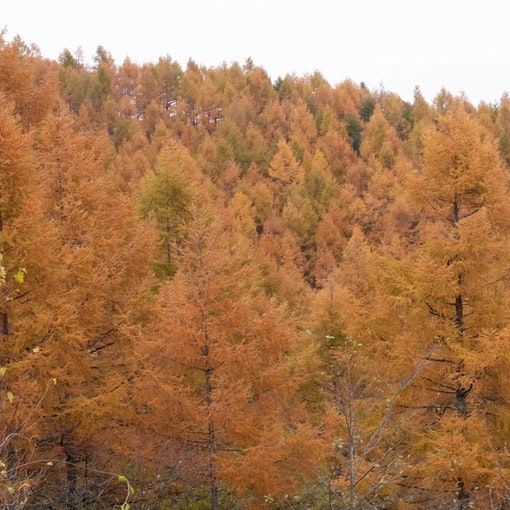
[(220, 291)]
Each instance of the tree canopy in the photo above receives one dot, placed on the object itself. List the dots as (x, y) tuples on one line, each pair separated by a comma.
[(222, 292)]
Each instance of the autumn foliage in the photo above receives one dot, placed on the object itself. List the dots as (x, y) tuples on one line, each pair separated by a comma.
[(221, 291)]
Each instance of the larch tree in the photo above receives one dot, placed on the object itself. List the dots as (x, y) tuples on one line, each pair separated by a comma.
[(27, 80), (86, 252), (203, 100), (284, 168), (366, 422), (73, 79), (380, 140), (20, 396), (502, 122), (302, 126), (166, 196), (222, 367), (449, 290)]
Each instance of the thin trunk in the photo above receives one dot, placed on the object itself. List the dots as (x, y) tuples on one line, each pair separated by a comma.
[(352, 431), (463, 497), (5, 323), (168, 247), (209, 388), (330, 496), (211, 430), (459, 313), (72, 484), (211, 437), (346, 409), (461, 395), (11, 463), (5, 319), (459, 303), (456, 211)]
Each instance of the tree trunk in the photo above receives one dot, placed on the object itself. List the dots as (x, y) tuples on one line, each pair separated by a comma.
[(211, 430), (211, 440), (463, 497), (72, 484), (5, 323), (459, 313)]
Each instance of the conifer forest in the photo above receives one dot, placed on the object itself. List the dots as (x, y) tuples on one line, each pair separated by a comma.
[(220, 291)]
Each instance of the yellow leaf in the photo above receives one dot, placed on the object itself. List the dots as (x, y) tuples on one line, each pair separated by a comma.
[(3, 370), (10, 396), (36, 349)]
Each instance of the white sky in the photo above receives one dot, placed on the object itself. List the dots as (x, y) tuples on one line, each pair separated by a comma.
[(462, 45)]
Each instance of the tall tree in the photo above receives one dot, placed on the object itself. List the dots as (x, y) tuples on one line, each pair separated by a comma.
[(451, 288), (20, 396), (367, 420), (86, 252), (166, 196), (223, 366)]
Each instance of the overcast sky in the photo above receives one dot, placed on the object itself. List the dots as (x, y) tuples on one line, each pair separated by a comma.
[(461, 45)]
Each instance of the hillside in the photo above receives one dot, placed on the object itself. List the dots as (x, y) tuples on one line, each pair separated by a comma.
[(222, 292)]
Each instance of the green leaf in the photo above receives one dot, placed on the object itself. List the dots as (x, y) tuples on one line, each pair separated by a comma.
[(121, 478), (20, 275), (125, 506), (131, 489)]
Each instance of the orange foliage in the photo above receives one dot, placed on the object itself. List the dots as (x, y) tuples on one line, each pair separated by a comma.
[(249, 293)]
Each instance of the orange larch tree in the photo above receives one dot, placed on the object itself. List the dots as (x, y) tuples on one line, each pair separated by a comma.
[(450, 290), (20, 396), (27, 80), (367, 424), (222, 367), (86, 253)]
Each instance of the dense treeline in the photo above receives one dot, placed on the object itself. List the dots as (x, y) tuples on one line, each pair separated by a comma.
[(222, 292)]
